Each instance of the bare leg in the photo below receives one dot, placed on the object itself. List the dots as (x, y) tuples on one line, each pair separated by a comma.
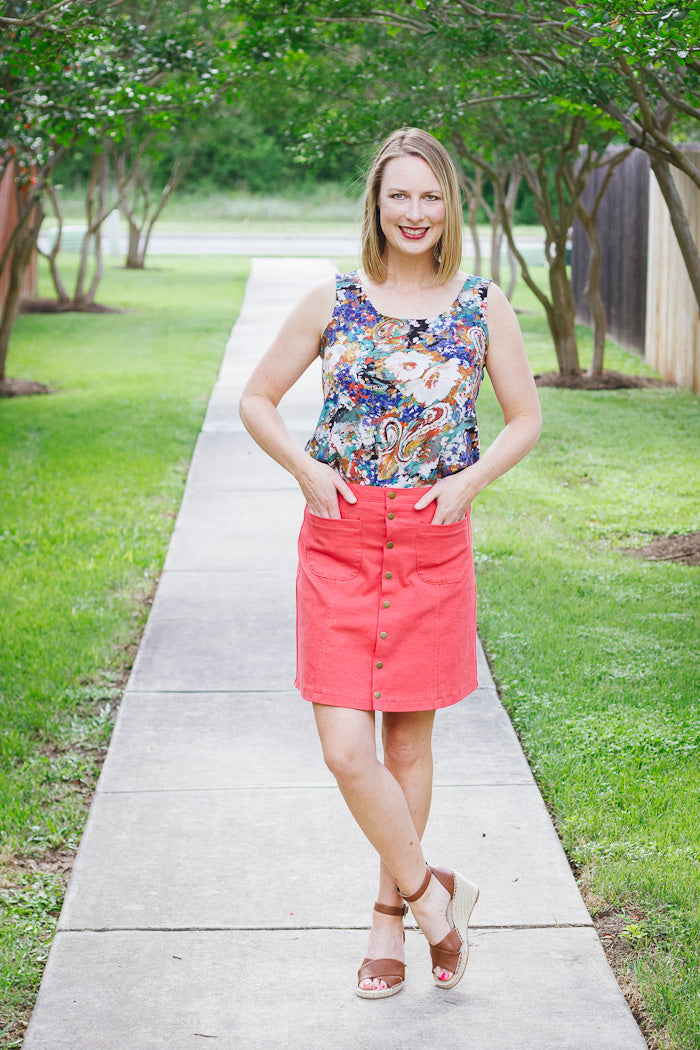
[(408, 756), (380, 806), (372, 793)]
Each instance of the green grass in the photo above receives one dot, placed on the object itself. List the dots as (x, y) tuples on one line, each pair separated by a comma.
[(326, 208), (594, 650), (596, 654), (91, 478)]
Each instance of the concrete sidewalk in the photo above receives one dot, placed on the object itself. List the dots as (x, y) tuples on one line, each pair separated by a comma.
[(222, 891)]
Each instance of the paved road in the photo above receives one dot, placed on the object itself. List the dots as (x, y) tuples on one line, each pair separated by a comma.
[(221, 895), (312, 245)]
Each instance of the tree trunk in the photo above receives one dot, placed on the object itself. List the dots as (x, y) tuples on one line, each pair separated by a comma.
[(563, 324), (140, 237), (592, 290), (473, 195), (132, 253), (561, 314), (589, 222), (97, 211), (513, 269), (679, 221), (18, 262), (496, 242), (473, 212), (510, 199), (527, 276), (52, 256)]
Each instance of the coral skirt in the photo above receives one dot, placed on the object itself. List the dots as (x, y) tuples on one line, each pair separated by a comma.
[(386, 605)]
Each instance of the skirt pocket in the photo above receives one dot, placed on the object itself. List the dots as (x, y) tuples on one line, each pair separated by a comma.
[(332, 547), (443, 552)]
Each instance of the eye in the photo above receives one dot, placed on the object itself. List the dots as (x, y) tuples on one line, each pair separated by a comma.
[(398, 196), (432, 197)]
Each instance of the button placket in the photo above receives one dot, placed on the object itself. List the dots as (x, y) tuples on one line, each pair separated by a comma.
[(386, 595)]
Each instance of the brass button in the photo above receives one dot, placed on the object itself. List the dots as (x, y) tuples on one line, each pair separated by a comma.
[(379, 664), (377, 696), (383, 634), (387, 605), (388, 575), (392, 495), (391, 515), (390, 544)]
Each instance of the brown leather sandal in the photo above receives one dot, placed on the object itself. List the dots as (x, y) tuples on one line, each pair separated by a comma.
[(391, 971), (452, 952)]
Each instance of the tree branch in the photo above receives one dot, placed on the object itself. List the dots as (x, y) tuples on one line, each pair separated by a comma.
[(674, 100)]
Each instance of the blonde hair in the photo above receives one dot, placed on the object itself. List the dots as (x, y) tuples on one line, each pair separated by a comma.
[(412, 142)]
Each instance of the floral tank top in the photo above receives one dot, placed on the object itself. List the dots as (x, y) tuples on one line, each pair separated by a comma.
[(399, 395)]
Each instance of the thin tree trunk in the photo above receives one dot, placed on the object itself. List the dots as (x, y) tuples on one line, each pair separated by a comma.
[(132, 251), (97, 211), (496, 242), (473, 195), (473, 212), (18, 262), (561, 314), (51, 256), (564, 314), (78, 293), (589, 222), (514, 180), (513, 269), (180, 169), (19, 249), (527, 276), (592, 290), (102, 213)]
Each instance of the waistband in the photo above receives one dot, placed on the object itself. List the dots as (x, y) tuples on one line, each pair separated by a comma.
[(386, 494)]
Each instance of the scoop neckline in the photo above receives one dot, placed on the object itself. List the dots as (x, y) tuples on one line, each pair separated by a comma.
[(390, 317)]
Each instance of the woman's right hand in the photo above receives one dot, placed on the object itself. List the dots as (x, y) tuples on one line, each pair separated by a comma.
[(320, 485)]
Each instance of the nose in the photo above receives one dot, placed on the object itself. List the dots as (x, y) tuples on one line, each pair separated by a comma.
[(414, 208)]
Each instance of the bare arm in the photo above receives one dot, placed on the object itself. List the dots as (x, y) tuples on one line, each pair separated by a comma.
[(510, 374), (294, 348)]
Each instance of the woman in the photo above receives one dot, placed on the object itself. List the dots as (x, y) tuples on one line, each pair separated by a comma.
[(386, 612)]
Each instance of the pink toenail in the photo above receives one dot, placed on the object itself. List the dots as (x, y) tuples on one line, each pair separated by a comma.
[(443, 976)]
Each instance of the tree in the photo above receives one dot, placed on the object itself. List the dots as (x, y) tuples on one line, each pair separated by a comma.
[(79, 69), (634, 64), (368, 71)]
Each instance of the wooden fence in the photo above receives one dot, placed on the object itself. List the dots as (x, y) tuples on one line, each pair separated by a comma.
[(673, 324), (649, 302), (622, 225), (8, 221)]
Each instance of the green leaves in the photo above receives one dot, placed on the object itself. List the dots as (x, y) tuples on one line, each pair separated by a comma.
[(91, 68)]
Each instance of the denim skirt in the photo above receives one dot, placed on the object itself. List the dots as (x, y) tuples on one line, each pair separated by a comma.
[(386, 605)]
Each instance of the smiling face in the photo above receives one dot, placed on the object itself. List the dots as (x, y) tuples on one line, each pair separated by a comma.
[(411, 206)]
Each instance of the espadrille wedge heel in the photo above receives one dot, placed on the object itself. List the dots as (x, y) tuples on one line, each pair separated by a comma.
[(452, 952)]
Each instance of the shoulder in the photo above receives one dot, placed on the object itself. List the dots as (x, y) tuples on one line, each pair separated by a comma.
[(495, 294), (503, 324), (498, 303)]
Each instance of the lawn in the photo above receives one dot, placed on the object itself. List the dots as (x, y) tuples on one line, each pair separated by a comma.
[(91, 478), (595, 650), (596, 654)]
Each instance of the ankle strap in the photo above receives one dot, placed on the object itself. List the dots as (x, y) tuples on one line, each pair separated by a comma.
[(390, 909), (422, 888)]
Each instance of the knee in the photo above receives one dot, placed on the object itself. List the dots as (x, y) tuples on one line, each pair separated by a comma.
[(346, 762), (403, 751)]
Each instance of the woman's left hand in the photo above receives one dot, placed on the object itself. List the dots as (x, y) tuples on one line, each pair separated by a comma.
[(452, 495)]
